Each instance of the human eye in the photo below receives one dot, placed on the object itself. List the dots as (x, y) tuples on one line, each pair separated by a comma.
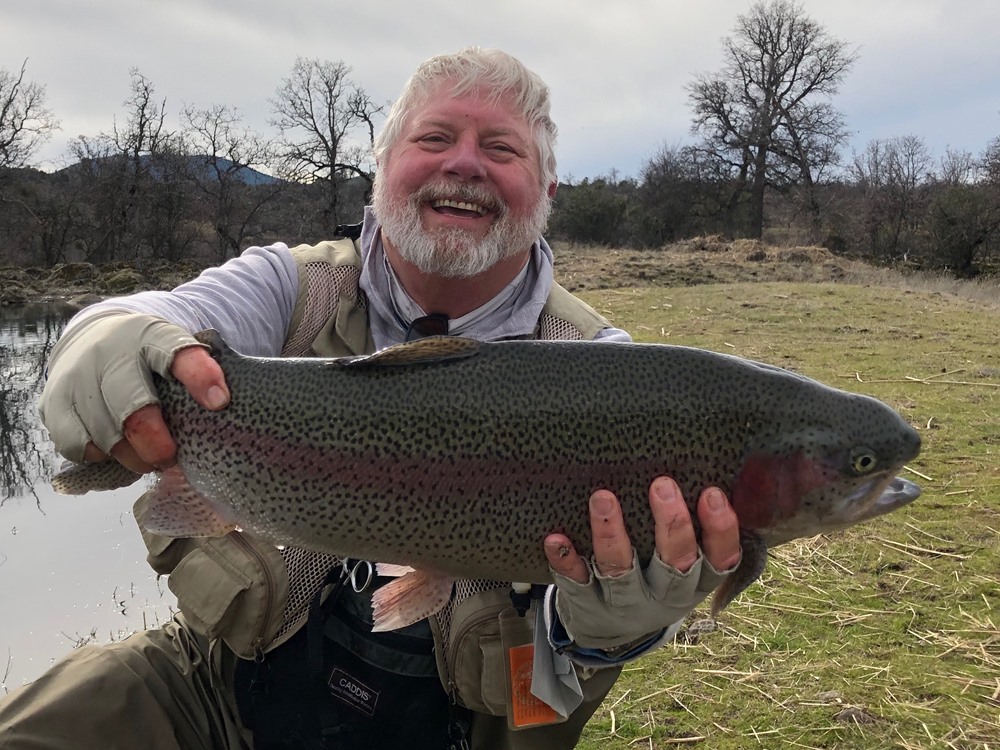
[(433, 138), (503, 149)]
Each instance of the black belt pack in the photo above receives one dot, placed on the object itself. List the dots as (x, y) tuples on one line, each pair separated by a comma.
[(335, 684)]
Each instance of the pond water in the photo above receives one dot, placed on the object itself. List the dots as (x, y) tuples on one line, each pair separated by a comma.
[(72, 569)]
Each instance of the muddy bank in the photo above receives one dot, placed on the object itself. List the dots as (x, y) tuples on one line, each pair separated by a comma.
[(84, 283)]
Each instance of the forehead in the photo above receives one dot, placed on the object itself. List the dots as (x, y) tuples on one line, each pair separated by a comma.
[(479, 107)]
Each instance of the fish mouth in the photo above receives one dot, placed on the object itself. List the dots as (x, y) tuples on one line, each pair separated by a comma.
[(895, 493), (899, 492)]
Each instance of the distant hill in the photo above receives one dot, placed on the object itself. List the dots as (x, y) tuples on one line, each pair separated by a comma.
[(246, 175), (202, 162)]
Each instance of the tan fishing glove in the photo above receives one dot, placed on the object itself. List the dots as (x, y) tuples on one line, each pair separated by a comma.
[(100, 372), (608, 612)]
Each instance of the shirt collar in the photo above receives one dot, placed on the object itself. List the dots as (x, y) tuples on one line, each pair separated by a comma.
[(512, 313)]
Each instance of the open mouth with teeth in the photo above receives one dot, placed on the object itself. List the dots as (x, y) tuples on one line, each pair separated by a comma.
[(458, 208)]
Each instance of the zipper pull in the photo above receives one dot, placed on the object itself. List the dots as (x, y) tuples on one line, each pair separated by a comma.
[(258, 681), (459, 722), (520, 597)]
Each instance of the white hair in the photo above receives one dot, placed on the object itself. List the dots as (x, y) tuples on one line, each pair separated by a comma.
[(472, 68)]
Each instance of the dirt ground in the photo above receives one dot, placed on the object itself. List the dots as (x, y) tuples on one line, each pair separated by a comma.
[(705, 260)]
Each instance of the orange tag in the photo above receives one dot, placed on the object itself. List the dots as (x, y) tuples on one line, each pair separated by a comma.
[(525, 709)]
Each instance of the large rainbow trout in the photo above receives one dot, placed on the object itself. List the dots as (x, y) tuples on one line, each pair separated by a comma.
[(457, 457)]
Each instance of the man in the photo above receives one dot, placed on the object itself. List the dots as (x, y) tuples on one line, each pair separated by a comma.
[(272, 651)]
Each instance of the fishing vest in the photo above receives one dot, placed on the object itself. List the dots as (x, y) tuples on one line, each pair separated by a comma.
[(254, 596)]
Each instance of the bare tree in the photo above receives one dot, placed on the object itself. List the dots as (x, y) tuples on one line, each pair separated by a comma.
[(25, 121), (989, 169), (226, 154), (894, 176), (962, 224), (45, 220), (989, 163), (143, 130), (327, 126), (102, 173), (678, 196), (766, 115), (167, 224), (136, 206), (957, 168)]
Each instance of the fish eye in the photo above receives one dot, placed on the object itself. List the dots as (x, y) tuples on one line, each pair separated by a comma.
[(863, 460)]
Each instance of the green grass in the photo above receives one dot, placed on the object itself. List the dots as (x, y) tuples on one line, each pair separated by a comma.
[(883, 636)]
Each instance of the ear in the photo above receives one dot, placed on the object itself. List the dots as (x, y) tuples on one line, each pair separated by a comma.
[(552, 189)]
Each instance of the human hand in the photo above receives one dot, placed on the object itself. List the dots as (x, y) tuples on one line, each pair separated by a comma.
[(147, 444), (608, 601), (99, 398)]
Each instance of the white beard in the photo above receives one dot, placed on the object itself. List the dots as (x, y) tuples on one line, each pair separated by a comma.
[(452, 252)]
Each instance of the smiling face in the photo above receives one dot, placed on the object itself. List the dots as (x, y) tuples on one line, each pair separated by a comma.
[(461, 189)]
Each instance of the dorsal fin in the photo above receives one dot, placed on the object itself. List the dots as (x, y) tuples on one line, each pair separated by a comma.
[(422, 351), (213, 340)]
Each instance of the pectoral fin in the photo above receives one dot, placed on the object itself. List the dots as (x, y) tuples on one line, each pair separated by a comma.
[(409, 599), (176, 509), (749, 570), (392, 571)]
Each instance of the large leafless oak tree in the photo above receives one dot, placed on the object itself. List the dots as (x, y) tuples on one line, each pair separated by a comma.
[(766, 116)]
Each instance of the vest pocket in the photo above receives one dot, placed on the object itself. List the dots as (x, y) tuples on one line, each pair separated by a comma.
[(233, 587), (207, 585), (491, 686), (475, 653)]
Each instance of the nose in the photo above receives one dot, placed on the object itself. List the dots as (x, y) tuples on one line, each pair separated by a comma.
[(464, 160)]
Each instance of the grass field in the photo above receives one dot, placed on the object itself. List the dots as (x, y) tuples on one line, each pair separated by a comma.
[(883, 636)]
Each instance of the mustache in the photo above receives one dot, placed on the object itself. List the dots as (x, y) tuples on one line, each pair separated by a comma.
[(478, 194)]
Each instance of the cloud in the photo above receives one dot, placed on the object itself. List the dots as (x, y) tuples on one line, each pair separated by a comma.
[(617, 71)]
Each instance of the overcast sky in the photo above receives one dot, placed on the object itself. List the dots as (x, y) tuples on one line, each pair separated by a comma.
[(617, 70)]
